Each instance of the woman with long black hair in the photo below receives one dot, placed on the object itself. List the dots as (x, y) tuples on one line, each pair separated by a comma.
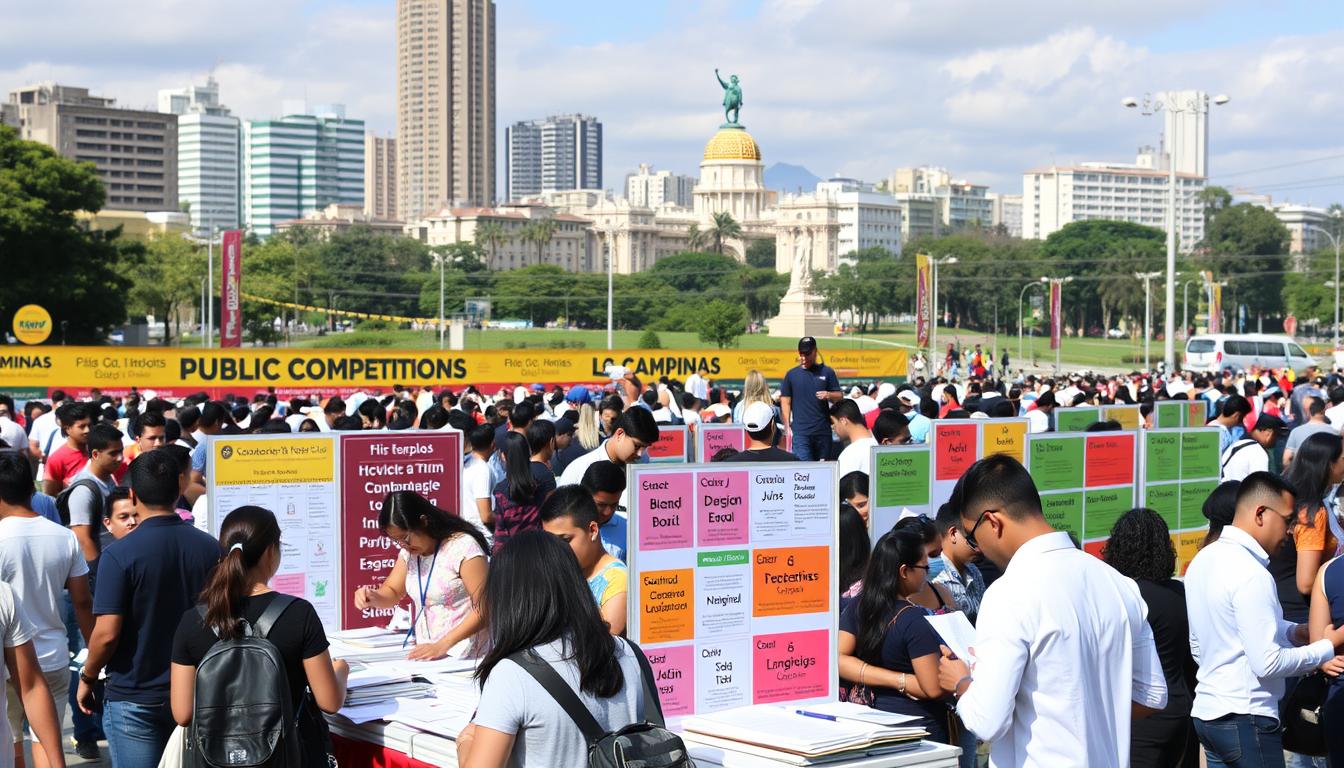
[(1315, 473), (519, 496), (442, 567), (555, 620), (239, 591), (886, 645)]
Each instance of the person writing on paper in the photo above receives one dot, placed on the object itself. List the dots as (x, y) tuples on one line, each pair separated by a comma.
[(442, 565), (554, 619), (239, 591), (888, 651), (1064, 654), (571, 516)]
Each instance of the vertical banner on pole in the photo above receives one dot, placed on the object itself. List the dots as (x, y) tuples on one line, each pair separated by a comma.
[(1216, 308), (923, 307), (231, 302), (1056, 317)]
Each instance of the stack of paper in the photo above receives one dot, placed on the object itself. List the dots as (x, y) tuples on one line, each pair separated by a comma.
[(827, 733)]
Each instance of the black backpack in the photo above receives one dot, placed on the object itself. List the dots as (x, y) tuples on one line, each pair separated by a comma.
[(63, 503), (646, 744), (243, 714)]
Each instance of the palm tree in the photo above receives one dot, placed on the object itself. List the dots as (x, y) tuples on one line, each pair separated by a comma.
[(695, 239), (539, 231), (725, 227), (490, 235)]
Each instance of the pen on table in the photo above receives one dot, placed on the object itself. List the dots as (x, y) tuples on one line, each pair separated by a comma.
[(818, 715)]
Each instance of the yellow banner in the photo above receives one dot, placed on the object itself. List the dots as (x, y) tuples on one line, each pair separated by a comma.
[(287, 460), (113, 369)]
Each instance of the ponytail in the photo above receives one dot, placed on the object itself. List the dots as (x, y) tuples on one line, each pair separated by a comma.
[(247, 534)]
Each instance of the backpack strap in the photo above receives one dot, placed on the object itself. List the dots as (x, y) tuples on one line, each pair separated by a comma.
[(1234, 449), (653, 707), (268, 617), (559, 690)]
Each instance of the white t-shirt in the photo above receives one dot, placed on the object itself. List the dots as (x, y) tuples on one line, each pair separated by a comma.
[(857, 457), (37, 557), (476, 485), (14, 631), (13, 434), (1334, 415), (1038, 421), (1242, 458), (43, 427), (573, 474)]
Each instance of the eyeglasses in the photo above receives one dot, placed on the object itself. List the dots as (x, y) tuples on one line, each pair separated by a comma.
[(1289, 519), (403, 542), (970, 535)]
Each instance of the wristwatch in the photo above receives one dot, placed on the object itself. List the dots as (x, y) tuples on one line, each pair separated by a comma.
[(957, 688), (83, 678)]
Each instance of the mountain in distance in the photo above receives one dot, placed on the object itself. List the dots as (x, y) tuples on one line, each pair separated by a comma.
[(788, 178)]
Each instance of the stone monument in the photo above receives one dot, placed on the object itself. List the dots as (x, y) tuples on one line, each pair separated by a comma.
[(800, 311)]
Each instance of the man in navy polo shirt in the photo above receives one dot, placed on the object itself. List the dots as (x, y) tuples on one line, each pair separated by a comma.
[(805, 400), (145, 583)]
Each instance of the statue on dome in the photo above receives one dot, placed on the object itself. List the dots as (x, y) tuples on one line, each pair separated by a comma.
[(732, 100)]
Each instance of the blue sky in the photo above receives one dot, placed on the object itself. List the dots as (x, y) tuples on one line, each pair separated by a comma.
[(857, 87)]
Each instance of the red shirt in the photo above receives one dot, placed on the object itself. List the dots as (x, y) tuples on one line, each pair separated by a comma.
[(64, 463)]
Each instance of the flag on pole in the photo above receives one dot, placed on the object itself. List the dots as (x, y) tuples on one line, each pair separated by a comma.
[(923, 305), (231, 302), (1056, 316)]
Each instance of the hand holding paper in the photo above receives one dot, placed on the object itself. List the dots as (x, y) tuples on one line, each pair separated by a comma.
[(951, 670)]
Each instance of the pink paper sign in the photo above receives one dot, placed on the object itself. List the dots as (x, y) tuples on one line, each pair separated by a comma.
[(289, 583), (790, 666), (715, 439), (674, 674), (721, 508), (665, 509)]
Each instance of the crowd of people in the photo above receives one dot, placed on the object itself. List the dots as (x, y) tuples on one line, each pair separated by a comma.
[(114, 593)]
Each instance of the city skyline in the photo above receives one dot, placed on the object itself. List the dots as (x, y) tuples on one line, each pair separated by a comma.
[(841, 87)]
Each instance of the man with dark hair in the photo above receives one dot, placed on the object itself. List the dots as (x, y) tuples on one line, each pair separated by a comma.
[(635, 431), (332, 410), (150, 432), (214, 417), (146, 582), (10, 430), (605, 482), (891, 428), (1064, 653), (920, 425), (759, 421), (477, 496), (1251, 453), (187, 418), (1317, 423), (82, 502), (1041, 418), (570, 515), (64, 462), (805, 397), (1244, 648), (958, 572), (1231, 414), (849, 424)]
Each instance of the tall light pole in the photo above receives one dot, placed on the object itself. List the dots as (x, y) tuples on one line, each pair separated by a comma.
[(1334, 239), (1060, 281), (1185, 308), (609, 252), (933, 338), (1022, 294), (1171, 102), (440, 259), (1147, 278)]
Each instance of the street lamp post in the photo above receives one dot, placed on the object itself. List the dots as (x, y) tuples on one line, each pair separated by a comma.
[(1021, 295), (1185, 308), (933, 339), (1336, 241), (1171, 103), (441, 259), (609, 251), (1147, 278)]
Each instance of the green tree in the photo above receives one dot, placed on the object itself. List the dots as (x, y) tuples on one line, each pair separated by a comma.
[(539, 232), (721, 323), (168, 279), (695, 272), (695, 238), (466, 257), (761, 253), (80, 277), (1100, 254), (762, 288), (491, 235), (1246, 245), (1213, 200), (535, 293), (725, 227), (649, 340)]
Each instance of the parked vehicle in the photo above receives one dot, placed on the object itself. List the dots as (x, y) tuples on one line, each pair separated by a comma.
[(1240, 351)]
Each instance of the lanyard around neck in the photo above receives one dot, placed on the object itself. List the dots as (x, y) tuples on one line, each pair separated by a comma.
[(424, 581)]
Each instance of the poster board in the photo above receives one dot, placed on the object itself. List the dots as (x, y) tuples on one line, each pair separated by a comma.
[(1180, 470), (1077, 418), (1129, 416), (712, 438), (732, 582), (673, 446), (1086, 481), (1179, 414), (902, 479), (959, 443), (372, 466), (295, 476)]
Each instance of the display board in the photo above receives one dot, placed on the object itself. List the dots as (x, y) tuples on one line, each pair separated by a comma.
[(296, 477), (959, 443), (1077, 418), (1086, 481), (372, 466), (1180, 470), (1178, 414), (1129, 416), (673, 446), (712, 438), (732, 582), (902, 479)]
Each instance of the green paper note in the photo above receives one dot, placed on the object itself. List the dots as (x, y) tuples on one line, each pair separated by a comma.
[(1102, 508), (902, 478), (1192, 502), (1064, 512), (1057, 463), (1163, 456), (1199, 454), (1165, 500), (1076, 419)]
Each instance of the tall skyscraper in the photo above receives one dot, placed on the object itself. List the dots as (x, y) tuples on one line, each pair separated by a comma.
[(553, 155), (445, 104), (380, 177), (301, 162), (134, 152), (209, 156), (1186, 131)]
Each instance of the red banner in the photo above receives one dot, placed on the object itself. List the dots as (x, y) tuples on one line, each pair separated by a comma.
[(923, 306), (429, 463), (230, 299), (1056, 316)]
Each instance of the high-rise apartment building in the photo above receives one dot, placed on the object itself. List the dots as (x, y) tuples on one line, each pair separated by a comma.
[(445, 104), (209, 156), (552, 155), (962, 203), (299, 163), (380, 177), (867, 218), (134, 152), (1008, 213), (651, 189)]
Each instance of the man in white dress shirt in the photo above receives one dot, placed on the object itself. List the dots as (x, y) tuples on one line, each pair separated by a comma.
[(1244, 648), (1064, 656)]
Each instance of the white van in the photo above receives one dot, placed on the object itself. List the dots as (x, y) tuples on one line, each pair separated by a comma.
[(1213, 352)]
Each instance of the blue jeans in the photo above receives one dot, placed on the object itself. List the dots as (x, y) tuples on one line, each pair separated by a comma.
[(137, 733), (88, 728), (1241, 741), (811, 447)]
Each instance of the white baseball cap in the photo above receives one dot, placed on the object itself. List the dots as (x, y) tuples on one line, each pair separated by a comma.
[(909, 397), (757, 416)]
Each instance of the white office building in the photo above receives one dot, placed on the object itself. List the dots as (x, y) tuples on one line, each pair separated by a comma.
[(868, 219), (559, 153), (1008, 213), (301, 162), (652, 189), (1304, 224), (209, 156), (960, 202)]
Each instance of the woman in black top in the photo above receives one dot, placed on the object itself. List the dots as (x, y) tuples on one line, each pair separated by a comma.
[(250, 538), (1140, 547)]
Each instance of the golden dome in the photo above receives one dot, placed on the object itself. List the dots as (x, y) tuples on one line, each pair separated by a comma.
[(732, 144)]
